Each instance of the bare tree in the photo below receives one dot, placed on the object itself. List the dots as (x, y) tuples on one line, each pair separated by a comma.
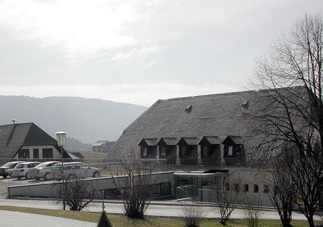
[(282, 188), (305, 173), (192, 214), (293, 117), (75, 193), (227, 201), (135, 180), (252, 211)]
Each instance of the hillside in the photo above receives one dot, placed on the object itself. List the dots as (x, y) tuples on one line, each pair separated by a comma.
[(86, 120)]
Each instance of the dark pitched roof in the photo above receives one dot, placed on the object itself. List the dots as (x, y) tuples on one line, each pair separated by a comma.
[(149, 141), (233, 139), (210, 115), (14, 136), (188, 140), (211, 140), (170, 141)]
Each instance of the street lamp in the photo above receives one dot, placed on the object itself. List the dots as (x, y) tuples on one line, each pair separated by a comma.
[(61, 140)]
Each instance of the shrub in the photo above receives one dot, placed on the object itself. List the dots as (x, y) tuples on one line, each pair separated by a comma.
[(104, 221)]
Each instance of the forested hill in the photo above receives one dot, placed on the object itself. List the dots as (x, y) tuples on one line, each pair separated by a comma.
[(86, 120)]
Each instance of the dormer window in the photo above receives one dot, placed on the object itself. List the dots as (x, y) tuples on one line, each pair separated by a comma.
[(167, 149), (234, 152), (188, 109), (148, 148)]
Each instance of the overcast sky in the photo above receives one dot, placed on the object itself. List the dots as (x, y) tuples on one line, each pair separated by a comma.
[(137, 51)]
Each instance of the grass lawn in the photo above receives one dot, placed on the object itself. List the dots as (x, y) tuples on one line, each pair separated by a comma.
[(121, 221)]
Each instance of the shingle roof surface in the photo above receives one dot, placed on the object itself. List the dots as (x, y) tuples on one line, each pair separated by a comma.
[(211, 115)]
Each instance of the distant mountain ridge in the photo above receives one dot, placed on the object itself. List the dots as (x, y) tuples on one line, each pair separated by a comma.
[(86, 120)]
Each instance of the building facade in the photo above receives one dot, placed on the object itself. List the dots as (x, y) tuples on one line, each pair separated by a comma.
[(26, 141)]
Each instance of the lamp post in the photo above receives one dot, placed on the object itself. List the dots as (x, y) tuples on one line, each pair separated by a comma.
[(61, 140)]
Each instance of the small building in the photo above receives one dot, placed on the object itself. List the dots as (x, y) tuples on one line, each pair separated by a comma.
[(26, 141), (102, 146)]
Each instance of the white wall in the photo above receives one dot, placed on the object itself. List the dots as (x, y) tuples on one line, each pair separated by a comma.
[(56, 154)]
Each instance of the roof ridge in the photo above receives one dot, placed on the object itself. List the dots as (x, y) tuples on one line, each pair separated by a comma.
[(229, 93), (26, 123)]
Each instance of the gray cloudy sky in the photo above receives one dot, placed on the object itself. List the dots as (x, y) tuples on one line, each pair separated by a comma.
[(137, 51)]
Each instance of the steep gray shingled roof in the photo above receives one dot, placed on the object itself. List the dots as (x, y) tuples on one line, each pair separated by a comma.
[(14, 136), (210, 115)]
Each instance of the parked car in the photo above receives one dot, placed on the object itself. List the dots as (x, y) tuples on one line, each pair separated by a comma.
[(7, 168), (74, 169), (43, 170), (22, 169)]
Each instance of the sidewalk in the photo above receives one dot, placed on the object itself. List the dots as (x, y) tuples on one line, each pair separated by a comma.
[(12, 218), (166, 208)]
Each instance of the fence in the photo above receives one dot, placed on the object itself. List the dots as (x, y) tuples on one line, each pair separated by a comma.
[(242, 198), (185, 193)]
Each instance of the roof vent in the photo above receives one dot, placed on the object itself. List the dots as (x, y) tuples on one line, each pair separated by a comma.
[(188, 109), (245, 105)]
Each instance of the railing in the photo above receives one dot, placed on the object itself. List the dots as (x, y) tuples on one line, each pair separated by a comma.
[(185, 193)]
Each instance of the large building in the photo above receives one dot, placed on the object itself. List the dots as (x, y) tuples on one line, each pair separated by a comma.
[(204, 139), (26, 141)]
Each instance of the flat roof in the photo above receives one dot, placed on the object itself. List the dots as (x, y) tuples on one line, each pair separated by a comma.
[(201, 173)]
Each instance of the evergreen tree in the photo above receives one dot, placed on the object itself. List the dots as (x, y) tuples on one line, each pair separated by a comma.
[(104, 221)]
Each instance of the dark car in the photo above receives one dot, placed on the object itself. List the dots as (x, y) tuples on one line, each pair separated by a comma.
[(6, 169)]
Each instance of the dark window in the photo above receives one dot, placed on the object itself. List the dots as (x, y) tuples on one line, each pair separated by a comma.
[(83, 166), (266, 188), (205, 151), (48, 153), (227, 186), (237, 187), (51, 164), (246, 188), (163, 152), (276, 190), (165, 188), (31, 165), (255, 188), (23, 153), (184, 151), (36, 153)]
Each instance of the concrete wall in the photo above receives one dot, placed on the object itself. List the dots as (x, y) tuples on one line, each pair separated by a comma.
[(48, 189)]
